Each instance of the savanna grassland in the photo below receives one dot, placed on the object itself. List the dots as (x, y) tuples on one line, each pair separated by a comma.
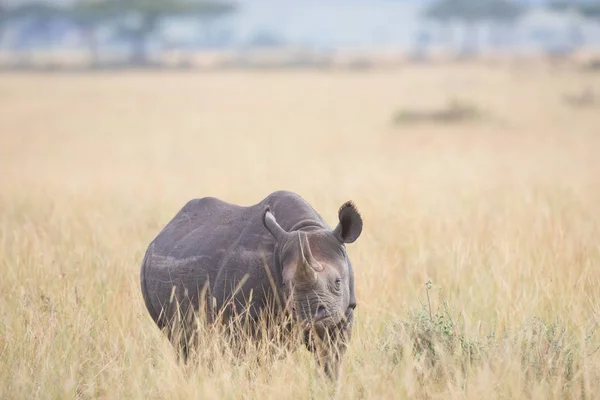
[(499, 213)]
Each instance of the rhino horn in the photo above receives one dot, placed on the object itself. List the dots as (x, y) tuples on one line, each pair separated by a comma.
[(307, 266)]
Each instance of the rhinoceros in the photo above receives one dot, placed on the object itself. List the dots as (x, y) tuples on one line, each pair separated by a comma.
[(231, 259)]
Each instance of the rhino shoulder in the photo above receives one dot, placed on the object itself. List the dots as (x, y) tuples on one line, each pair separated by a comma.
[(202, 203), (283, 194)]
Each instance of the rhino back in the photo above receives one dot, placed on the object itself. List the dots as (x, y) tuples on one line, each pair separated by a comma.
[(211, 244)]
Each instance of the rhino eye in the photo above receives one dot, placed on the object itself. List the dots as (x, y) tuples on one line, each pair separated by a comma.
[(338, 284)]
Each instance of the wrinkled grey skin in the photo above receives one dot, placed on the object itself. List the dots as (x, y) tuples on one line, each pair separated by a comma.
[(210, 246)]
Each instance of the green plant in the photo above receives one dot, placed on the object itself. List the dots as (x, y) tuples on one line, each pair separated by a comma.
[(435, 337), (439, 348)]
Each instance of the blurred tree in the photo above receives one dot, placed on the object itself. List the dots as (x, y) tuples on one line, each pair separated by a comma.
[(502, 15), (441, 14), (89, 15), (576, 9), (589, 9), (36, 10), (265, 39), (471, 13), (2, 20), (465, 12), (147, 16), (38, 17)]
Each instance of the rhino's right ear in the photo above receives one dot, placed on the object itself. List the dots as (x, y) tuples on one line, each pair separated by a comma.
[(350, 225), (272, 225)]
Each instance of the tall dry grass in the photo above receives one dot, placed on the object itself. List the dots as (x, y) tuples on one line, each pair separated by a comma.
[(501, 215)]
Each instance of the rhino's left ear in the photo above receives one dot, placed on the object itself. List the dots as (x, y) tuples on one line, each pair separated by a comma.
[(272, 225), (350, 225)]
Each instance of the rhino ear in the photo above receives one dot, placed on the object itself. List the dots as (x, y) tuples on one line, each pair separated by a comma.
[(350, 226), (272, 226)]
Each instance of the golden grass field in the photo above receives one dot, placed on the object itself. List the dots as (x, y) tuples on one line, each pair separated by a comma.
[(502, 215)]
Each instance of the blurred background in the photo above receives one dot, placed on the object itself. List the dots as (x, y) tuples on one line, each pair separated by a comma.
[(467, 133), (59, 34)]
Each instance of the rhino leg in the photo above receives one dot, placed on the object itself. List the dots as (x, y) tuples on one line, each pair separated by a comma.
[(328, 349), (180, 318), (329, 358)]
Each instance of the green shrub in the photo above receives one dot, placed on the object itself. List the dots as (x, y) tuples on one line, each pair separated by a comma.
[(440, 349)]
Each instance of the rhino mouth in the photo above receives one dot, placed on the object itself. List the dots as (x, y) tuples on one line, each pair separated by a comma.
[(321, 314), (321, 319)]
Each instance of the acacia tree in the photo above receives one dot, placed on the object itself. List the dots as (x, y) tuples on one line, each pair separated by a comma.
[(472, 13), (39, 13), (443, 16), (2, 20), (503, 14), (89, 15), (148, 14), (466, 12), (590, 10)]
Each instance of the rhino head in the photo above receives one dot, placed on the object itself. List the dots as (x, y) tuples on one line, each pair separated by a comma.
[(318, 280)]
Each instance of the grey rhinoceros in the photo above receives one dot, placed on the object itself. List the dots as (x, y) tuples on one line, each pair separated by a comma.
[(229, 259)]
